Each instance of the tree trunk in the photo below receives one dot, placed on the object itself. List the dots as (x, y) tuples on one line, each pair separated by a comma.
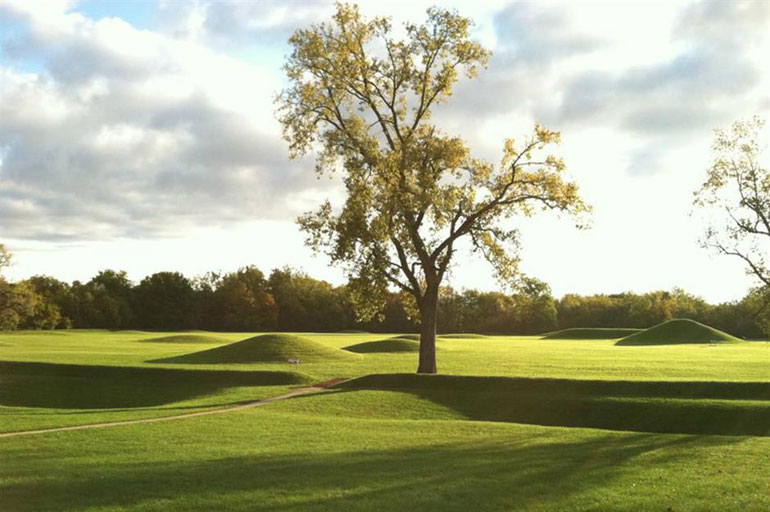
[(428, 315)]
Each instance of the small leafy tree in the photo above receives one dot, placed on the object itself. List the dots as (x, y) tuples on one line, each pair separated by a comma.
[(5, 258), (736, 196), (737, 189), (363, 99), (244, 303), (18, 302)]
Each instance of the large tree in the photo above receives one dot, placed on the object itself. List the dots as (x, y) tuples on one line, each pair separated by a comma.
[(363, 97)]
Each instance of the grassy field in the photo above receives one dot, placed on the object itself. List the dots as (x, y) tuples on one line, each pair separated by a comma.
[(514, 423)]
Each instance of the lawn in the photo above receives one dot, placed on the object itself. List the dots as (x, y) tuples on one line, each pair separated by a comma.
[(515, 423)]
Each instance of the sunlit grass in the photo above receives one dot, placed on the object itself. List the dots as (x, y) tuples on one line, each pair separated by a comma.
[(468, 440)]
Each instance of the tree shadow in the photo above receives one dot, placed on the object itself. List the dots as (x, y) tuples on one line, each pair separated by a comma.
[(503, 474)]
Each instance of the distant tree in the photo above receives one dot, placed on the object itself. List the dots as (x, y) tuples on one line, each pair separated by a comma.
[(5, 287), (165, 301), (52, 295), (756, 309), (306, 304), (243, 302), (207, 314), (535, 308), (17, 303), (396, 316), (748, 317), (413, 193), (107, 301)]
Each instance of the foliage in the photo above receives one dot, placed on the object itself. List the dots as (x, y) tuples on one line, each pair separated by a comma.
[(531, 310), (737, 189), (242, 302), (22, 308), (290, 300), (166, 301), (307, 304), (5, 258), (364, 99)]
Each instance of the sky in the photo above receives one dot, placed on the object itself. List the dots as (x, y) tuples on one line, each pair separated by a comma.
[(142, 135)]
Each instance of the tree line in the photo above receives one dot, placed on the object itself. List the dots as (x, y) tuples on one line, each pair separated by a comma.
[(290, 300)]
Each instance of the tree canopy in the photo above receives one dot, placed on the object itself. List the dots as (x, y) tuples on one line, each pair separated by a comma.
[(737, 193), (362, 98)]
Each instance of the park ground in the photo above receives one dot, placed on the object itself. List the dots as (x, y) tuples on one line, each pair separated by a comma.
[(513, 423)]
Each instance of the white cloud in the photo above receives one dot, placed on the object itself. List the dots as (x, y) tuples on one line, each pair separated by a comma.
[(110, 131), (132, 133)]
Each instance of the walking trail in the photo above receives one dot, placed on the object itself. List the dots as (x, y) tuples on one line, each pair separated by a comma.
[(315, 388)]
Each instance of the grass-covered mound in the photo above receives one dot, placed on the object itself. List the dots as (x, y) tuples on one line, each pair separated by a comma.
[(413, 337), (397, 344), (735, 408), (590, 333), (186, 338), (676, 332), (416, 337), (267, 348)]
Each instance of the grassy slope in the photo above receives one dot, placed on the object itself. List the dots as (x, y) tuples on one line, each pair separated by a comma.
[(44, 395), (273, 459), (266, 348), (682, 407), (388, 345), (679, 331)]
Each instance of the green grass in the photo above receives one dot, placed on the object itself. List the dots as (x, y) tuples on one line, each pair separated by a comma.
[(679, 331), (275, 459), (673, 407), (581, 333), (267, 348), (515, 356), (46, 395), (513, 424)]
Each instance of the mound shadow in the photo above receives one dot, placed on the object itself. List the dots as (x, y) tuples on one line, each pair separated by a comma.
[(65, 386), (725, 408)]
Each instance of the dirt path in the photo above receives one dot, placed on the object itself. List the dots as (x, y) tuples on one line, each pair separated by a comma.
[(295, 392)]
